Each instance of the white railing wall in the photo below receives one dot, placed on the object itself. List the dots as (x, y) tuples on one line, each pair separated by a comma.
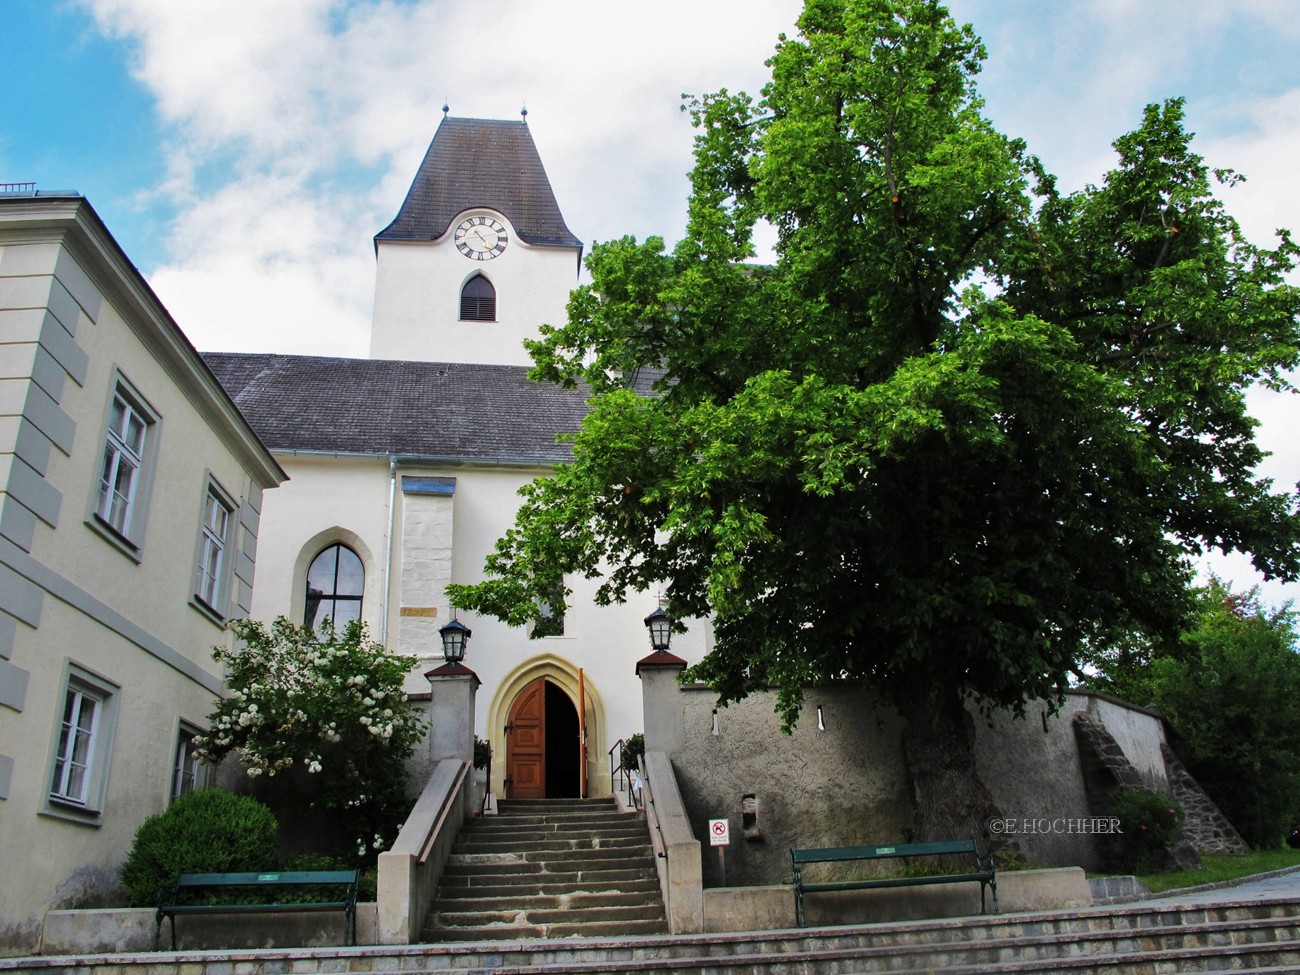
[(410, 871), (677, 851)]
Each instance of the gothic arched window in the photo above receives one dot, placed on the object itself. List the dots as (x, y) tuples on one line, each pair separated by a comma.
[(478, 300), (335, 582)]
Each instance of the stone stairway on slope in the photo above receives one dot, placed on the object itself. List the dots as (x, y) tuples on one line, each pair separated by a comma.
[(1249, 937), (549, 868)]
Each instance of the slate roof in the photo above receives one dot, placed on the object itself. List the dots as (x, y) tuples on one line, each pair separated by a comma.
[(377, 406), (481, 163)]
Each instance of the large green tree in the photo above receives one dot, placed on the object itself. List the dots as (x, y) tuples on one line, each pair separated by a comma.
[(860, 466)]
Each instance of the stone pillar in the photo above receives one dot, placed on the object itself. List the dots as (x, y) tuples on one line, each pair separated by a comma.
[(661, 703), (451, 713)]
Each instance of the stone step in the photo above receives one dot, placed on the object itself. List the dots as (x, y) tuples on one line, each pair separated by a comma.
[(544, 882), (579, 899), (539, 916), (540, 827), (556, 808), (625, 845), (570, 929), (521, 887), (558, 860)]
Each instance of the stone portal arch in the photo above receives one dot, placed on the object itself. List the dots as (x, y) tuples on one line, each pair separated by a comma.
[(564, 675)]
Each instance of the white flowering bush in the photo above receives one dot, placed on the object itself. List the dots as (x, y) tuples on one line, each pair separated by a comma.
[(330, 703)]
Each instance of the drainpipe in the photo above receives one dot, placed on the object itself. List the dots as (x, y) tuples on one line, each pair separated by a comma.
[(388, 550)]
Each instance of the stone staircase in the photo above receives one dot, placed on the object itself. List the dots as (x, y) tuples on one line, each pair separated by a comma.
[(1255, 937), (549, 868)]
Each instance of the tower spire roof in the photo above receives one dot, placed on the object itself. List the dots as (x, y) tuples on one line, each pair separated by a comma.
[(481, 163)]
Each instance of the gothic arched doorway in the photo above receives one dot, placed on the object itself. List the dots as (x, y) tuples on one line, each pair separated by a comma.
[(543, 744)]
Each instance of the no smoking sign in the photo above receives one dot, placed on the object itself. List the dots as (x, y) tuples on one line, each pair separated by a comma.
[(719, 832)]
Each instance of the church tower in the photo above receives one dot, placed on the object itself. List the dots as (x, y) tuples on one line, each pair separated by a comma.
[(478, 256)]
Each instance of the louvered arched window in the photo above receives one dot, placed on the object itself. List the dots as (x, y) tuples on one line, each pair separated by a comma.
[(478, 300)]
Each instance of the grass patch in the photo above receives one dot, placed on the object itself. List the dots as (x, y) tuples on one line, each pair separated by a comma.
[(1219, 867)]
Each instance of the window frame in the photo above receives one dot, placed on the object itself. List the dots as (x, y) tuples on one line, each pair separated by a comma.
[(88, 807), (183, 760), (484, 313), (216, 605), (128, 537), (550, 623), (334, 596)]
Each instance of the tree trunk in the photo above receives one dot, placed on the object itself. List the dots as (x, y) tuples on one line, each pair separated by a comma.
[(939, 745)]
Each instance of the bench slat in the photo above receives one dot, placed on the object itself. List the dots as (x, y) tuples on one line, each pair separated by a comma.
[(285, 878), (840, 853)]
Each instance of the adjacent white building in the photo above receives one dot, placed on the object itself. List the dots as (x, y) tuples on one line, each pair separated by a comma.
[(131, 492)]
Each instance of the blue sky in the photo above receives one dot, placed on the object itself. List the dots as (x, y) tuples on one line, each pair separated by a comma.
[(244, 152)]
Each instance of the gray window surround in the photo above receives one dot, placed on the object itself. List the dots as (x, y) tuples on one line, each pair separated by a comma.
[(89, 811), (129, 539), (218, 608), (187, 774)]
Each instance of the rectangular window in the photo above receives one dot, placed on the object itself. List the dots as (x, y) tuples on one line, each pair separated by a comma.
[(73, 764), (551, 611), (82, 746), (187, 773), (119, 501), (123, 458), (212, 549)]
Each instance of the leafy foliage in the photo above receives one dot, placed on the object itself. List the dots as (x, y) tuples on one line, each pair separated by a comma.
[(331, 703), (1230, 688), (633, 751), (208, 831), (857, 465), (482, 752), (1150, 822)]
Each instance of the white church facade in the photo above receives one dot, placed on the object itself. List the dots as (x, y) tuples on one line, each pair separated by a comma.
[(404, 467)]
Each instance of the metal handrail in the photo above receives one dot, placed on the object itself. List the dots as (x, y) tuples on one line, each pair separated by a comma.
[(621, 770), (652, 814)]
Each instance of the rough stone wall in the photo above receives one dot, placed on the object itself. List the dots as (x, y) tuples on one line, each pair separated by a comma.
[(1106, 769), (1032, 769), (847, 783), (1206, 828)]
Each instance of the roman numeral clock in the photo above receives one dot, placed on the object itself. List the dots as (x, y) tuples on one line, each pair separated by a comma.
[(481, 238)]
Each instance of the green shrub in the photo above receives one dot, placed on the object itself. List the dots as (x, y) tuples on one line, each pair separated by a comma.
[(482, 753), (204, 831), (633, 749), (1150, 822)]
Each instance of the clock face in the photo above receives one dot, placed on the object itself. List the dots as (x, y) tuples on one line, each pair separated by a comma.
[(480, 238)]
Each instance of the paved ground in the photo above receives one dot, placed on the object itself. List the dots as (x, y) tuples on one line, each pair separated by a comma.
[(1279, 884)]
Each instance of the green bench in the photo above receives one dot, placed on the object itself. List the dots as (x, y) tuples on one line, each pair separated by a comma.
[(203, 893), (983, 868)]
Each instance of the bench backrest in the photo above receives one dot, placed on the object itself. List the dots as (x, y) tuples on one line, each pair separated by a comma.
[(270, 878), (840, 853)]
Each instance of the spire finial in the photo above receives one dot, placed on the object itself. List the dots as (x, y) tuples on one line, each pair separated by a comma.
[(445, 109), (523, 112)]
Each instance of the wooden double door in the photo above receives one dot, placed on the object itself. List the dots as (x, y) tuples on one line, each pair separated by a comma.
[(544, 748)]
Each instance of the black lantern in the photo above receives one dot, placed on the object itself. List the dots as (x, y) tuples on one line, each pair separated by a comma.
[(660, 625), (454, 637)]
